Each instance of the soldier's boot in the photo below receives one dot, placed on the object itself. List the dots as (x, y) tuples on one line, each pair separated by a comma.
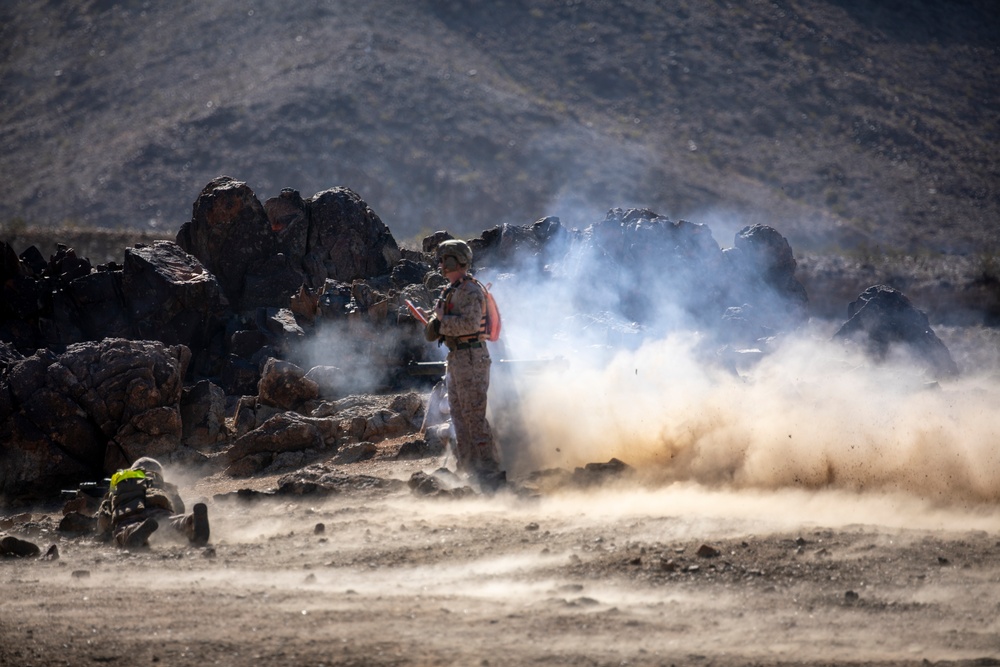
[(199, 530), (137, 535)]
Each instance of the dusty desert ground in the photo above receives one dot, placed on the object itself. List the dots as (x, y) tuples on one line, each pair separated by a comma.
[(622, 575)]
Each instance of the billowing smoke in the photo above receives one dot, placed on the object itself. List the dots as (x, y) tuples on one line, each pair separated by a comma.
[(648, 377), (358, 353)]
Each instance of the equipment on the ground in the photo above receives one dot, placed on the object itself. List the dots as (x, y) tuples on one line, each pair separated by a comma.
[(438, 368)]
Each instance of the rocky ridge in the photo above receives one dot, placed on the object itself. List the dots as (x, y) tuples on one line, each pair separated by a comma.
[(161, 356)]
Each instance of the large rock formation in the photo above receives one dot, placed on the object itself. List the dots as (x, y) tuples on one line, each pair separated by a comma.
[(230, 233), (85, 413), (882, 319), (271, 439), (262, 255), (651, 271), (347, 240), (161, 293), (252, 297), (170, 296)]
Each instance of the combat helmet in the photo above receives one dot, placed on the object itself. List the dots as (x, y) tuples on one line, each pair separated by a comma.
[(459, 250)]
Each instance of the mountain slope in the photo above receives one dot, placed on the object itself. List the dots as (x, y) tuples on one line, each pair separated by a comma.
[(838, 123)]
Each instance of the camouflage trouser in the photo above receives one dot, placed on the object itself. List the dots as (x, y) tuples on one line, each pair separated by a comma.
[(468, 382), (181, 524)]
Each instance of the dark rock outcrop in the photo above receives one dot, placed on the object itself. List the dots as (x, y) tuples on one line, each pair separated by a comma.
[(85, 413), (347, 240), (883, 319), (762, 273), (203, 415), (285, 432), (528, 247), (289, 220), (284, 385), (262, 255), (640, 267), (161, 293), (230, 233), (170, 296)]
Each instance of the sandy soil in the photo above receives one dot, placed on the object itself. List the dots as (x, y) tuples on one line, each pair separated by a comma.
[(624, 575)]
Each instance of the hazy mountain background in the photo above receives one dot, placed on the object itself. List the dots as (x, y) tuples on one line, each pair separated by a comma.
[(842, 123)]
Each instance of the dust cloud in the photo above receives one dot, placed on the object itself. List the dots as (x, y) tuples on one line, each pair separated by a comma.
[(810, 416)]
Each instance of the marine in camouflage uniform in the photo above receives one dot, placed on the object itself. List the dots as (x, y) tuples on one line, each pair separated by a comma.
[(139, 499), (459, 322)]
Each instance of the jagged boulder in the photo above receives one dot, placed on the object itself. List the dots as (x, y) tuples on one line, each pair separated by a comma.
[(284, 432), (762, 275), (83, 414), (329, 379), (289, 218), (883, 319), (284, 385), (23, 299), (647, 268), (97, 302), (280, 327), (347, 240), (230, 233), (409, 272), (203, 415), (516, 247), (171, 297), (56, 303)]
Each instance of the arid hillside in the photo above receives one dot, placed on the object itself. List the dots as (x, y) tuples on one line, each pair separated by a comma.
[(844, 124)]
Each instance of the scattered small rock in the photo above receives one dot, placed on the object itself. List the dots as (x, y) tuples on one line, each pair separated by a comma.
[(439, 484), (415, 449), (80, 574), (12, 546), (706, 551), (361, 451), (594, 474), (76, 523), (570, 588)]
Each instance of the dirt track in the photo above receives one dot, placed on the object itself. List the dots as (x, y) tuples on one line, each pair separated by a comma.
[(603, 578)]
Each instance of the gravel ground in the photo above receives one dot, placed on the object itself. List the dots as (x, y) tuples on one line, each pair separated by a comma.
[(615, 575)]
